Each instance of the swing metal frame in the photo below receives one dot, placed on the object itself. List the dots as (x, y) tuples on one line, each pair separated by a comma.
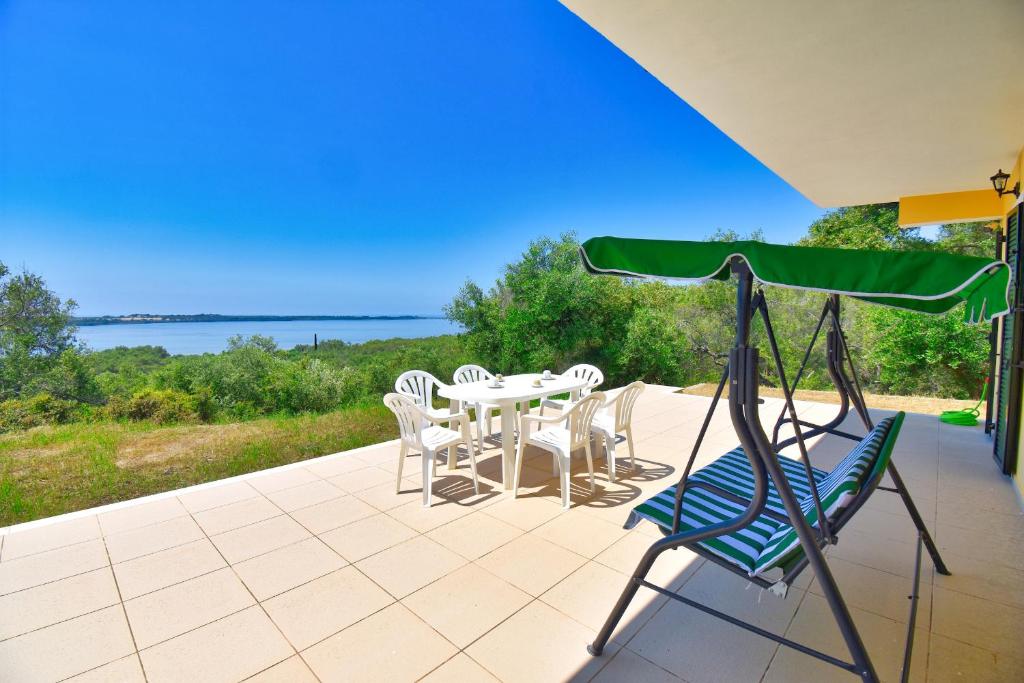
[(742, 375)]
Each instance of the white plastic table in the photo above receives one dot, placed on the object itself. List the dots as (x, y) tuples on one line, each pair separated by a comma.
[(515, 389)]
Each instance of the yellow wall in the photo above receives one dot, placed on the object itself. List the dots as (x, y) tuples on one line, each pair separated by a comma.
[(951, 207)]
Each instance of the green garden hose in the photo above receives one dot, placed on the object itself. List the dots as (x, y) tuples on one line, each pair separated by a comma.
[(967, 417)]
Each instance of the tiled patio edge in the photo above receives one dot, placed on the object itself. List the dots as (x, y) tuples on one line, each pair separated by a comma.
[(110, 507)]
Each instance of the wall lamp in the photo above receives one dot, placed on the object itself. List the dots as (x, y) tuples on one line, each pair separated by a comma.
[(999, 181)]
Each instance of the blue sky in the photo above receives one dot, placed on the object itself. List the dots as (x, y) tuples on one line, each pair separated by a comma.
[(338, 157)]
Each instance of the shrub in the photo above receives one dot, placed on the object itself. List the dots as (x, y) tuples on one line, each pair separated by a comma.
[(163, 406), (38, 410), (311, 386)]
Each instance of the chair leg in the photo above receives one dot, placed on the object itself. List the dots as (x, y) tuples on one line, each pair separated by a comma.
[(590, 465), (402, 453), (517, 468), (629, 442), (564, 467), (472, 467), (429, 466), (480, 413), (609, 450)]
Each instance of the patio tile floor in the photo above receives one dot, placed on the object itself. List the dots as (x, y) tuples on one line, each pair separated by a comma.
[(320, 571)]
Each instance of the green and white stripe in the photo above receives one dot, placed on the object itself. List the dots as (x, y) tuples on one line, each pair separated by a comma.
[(765, 543)]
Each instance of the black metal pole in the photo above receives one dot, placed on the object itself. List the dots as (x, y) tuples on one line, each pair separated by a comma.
[(908, 502), (681, 486), (844, 355), (815, 558), (800, 371), (842, 388), (857, 397), (908, 649), (823, 525), (739, 394), (757, 302)]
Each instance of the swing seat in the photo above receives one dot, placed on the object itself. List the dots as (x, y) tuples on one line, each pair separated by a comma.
[(767, 543)]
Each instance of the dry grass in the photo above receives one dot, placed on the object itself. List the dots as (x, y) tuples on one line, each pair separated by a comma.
[(928, 405), (174, 443), (52, 470)]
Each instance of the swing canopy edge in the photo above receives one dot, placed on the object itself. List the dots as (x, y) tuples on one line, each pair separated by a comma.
[(922, 281)]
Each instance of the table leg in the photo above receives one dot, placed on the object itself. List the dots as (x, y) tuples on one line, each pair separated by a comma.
[(508, 443), (453, 455)]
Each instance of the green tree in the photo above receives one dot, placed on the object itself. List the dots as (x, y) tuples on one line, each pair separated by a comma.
[(905, 352), (546, 311), (36, 334), (871, 226), (969, 239)]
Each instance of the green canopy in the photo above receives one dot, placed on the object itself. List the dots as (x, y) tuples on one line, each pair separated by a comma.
[(930, 282)]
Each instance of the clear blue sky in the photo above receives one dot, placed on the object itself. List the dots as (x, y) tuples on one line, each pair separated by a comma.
[(338, 157)]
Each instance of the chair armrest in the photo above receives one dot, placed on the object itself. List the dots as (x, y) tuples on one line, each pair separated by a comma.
[(440, 420), (453, 417), (551, 419)]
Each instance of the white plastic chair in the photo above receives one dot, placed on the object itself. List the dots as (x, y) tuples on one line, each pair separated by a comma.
[(615, 419), (428, 440), (561, 440), (484, 411), (419, 386), (589, 373)]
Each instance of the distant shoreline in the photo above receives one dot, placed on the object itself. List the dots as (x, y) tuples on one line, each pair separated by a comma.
[(153, 319)]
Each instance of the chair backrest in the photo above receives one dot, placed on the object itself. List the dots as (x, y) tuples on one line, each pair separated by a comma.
[(419, 386), (624, 403), (410, 419), (591, 374), (581, 416), (471, 373)]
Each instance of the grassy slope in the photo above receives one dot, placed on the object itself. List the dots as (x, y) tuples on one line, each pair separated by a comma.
[(52, 470)]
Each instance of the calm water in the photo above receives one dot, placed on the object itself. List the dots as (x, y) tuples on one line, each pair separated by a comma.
[(182, 338)]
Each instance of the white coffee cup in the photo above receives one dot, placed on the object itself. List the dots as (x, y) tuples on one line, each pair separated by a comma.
[(547, 374)]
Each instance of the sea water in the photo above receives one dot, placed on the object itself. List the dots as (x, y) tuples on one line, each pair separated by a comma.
[(190, 338)]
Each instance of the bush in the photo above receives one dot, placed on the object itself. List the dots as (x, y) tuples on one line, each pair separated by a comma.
[(311, 386), (163, 406), (38, 410)]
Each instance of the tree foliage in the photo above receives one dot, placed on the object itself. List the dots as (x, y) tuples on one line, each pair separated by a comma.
[(544, 311), (899, 351), (37, 342)]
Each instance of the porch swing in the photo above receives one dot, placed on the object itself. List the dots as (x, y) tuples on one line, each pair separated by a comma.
[(753, 512)]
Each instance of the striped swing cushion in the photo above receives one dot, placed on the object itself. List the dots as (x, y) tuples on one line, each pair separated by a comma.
[(766, 543)]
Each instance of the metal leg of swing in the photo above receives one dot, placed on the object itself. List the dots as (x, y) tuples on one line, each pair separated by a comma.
[(597, 647), (826, 581), (940, 566), (858, 401)]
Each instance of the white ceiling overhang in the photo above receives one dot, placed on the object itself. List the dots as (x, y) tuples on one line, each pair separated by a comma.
[(849, 102)]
